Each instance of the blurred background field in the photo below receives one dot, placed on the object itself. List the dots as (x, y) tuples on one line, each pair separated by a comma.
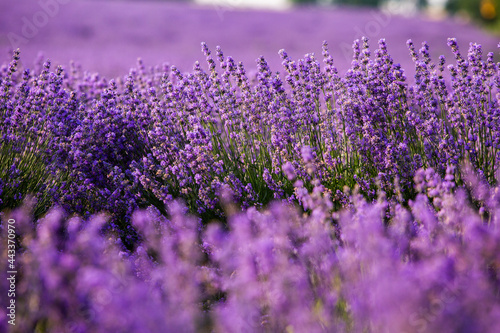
[(108, 36)]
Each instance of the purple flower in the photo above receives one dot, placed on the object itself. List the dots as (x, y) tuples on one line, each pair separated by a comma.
[(289, 171)]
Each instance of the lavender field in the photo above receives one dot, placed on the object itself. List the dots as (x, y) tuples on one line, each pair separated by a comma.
[(232, 192), (108, 36)]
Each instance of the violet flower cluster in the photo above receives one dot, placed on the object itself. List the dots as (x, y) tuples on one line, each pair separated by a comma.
[(433, 266), (384, 213), (158, 135)]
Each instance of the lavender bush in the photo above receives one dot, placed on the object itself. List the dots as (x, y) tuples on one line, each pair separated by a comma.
[(347, 203), (157, 135), (25, 136)]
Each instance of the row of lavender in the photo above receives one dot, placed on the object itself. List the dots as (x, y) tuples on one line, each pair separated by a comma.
[(408, 253), (433, 267), (90, 145)]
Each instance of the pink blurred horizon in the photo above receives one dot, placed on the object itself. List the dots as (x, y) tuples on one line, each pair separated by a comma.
[(108, 36)]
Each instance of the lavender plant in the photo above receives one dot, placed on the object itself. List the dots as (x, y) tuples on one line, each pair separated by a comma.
[(157, 135), (25, 133), (369, 128)]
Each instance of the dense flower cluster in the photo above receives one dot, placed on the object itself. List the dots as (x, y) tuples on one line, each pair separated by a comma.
[(159, 134), (431, 267), (384, 213)]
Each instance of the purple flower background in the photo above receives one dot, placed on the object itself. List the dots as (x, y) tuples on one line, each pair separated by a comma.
[(228, 198), (108, 36)]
